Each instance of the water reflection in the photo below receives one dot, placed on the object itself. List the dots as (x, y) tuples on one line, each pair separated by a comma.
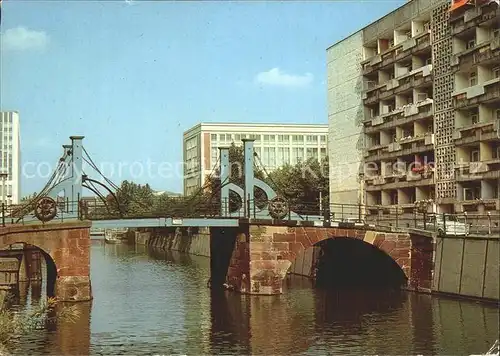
[(156, 302)]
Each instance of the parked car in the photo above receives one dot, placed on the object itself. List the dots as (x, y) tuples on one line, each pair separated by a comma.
[(452, 225)]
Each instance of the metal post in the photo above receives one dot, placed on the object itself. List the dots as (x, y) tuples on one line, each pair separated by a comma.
[(249, 172), (76, 168), (342, 212), (320, 203), (78, 208), (444, 223), (224, 179), (489, 223), (249, 212), (3, 214)]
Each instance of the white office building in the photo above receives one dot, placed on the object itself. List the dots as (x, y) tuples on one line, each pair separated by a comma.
[(10, 157), (275, 144)]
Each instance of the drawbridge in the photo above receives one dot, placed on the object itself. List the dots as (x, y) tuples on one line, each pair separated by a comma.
[(61, 198)]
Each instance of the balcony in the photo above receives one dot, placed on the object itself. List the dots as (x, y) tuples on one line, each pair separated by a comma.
[(400, 116), (411, 46), (399, 181), (403, 147), (484, 53), (469, 171), (413, 79), (473, 17), (482, 131), (487, 92)]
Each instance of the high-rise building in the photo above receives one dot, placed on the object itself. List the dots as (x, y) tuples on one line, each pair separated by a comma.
[(275, 144), (414, 109), (10, 159)]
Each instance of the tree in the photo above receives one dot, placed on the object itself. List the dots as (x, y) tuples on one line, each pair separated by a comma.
[(133, 199), (302, 184)]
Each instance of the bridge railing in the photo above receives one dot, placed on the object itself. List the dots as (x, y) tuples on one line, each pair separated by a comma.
[(30, 213), (377, 216)]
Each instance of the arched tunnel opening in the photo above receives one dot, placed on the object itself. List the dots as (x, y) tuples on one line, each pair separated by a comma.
[(27, 272), (351, 263)]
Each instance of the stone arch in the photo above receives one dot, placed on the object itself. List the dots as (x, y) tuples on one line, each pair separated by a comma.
[(298, 239), (66, 247), (51, 272), (368, 265)]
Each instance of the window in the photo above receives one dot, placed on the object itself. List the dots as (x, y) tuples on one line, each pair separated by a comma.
[(472, 79), (266, 138), (286, 156), (312, 139), (323, 152), (298, 138), (496, 33), (213, 137), (496, 72), (322, 138), (310, 153), (272, 157), (474, 119), (472, 193), (265, 158), (272, 138), (237, 137), (215, 153), (471, 44), (474, 156)]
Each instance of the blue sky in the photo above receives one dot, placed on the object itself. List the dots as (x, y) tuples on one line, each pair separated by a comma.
[(132, 77)]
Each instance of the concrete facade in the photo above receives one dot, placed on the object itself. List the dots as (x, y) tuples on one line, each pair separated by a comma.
[(193, 241), (66, 248), (10, 156), (345, 117), (468, 266), (425, 81)]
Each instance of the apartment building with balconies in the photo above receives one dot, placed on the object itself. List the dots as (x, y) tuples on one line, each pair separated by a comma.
[(475, 64), (398, 103), (424, 99)]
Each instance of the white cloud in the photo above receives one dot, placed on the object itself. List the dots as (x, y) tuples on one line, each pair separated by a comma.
[(22, 39), (277, 77)]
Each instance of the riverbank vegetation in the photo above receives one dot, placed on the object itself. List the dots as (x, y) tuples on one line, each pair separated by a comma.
[(15, 324), (304, 185)]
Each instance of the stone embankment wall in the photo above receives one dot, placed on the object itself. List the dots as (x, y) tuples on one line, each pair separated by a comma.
[(195, 241), (467, 266)]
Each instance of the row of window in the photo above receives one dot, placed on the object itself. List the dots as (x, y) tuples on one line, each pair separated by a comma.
[(269, 138), (273, 157)]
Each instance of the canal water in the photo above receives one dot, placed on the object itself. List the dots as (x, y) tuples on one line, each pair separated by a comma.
[(158, 303)]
